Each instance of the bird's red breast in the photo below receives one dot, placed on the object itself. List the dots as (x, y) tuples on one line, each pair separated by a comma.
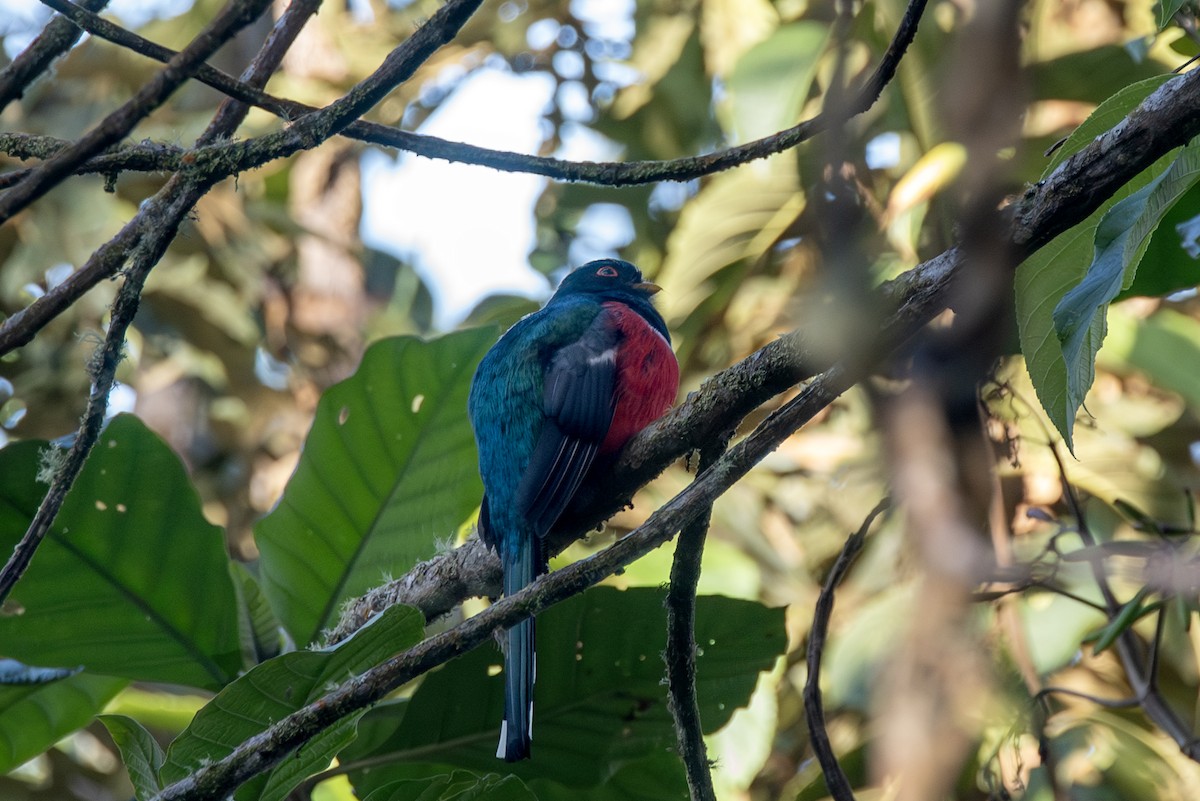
[(647, 377)]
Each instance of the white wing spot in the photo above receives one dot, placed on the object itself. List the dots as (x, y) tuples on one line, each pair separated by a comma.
[(609, 356)]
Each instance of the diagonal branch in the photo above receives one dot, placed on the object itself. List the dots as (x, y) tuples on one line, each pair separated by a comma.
[(59, 36), (263, 751), (234, 17), (604, 173)]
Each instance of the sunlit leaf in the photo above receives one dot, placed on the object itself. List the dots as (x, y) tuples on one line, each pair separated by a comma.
[(388, 471), (1158, 346)]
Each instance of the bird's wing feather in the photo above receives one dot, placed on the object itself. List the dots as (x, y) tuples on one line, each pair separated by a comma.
[(578, 401)]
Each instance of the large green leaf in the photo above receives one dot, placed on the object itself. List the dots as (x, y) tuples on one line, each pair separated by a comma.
[(600, 700), (772, 80), (1121, 239), (45, 706), (388, 471), (278, 687), (131, 580)]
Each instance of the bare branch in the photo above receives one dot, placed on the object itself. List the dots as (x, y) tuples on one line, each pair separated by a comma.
[(604, 173), (59, 36), (265, 750), (142, 157), (918, 297), (814, 710), (103, 368), (116, 125)]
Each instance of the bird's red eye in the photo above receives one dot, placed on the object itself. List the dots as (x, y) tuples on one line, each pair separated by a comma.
[(607, 271)]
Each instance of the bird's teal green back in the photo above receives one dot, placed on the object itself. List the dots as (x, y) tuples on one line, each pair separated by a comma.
[(506, 400)]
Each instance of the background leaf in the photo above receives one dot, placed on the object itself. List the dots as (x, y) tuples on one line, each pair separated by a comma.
[(131, 580), (772, 80), (388, 470), (34, 717), (141, 753)]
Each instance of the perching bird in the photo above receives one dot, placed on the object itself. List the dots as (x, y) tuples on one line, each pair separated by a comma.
[(565, 384)]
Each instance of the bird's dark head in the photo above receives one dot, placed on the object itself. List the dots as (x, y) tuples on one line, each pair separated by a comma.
[(609, 277), (614, 280)]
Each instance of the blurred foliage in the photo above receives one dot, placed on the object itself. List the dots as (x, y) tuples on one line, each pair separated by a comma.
[(268, 299)]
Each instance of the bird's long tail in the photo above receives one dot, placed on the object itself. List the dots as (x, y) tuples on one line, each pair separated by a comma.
[(520, 667)]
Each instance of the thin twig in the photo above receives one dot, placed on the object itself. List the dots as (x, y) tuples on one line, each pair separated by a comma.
[(59, 36), (1127, 645), (604, 173), (680, 654), (103, 368), (1107, 703), (235, 16), (814, 710), (216, 161)]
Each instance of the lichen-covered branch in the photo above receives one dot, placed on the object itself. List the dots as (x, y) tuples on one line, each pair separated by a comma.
[(680, 655)]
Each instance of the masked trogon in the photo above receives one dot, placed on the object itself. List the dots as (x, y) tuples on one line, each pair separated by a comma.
[(565, 385)]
